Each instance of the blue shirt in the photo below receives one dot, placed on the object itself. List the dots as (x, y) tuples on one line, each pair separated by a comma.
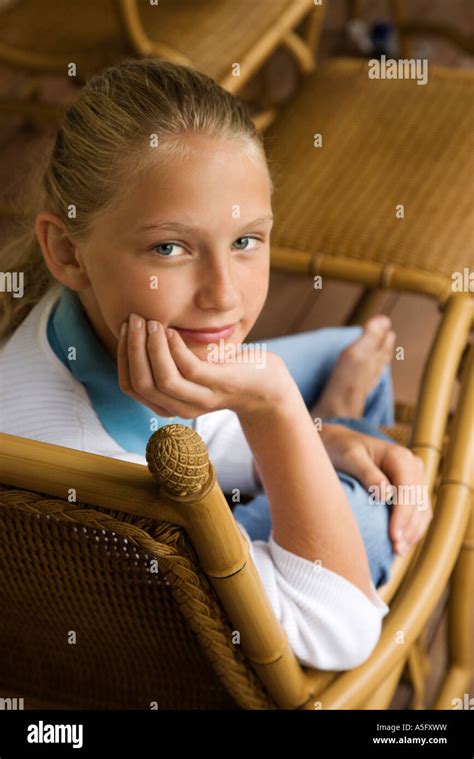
[(75, 343)]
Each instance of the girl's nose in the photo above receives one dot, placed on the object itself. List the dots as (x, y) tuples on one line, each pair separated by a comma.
[(218, 289)]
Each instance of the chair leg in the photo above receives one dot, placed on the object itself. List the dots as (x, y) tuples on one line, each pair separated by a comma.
[(301, 52), (313, 28), (304, 48), (367, 305), (263, 119), (418, 669), (383, 695), (455, 687)]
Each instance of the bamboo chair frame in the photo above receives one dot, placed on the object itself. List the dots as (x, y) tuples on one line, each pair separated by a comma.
[(418, 580), (205, 515), (446, 446), (443, 441)]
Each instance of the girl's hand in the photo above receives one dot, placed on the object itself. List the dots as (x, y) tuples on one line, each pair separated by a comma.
[(391, 468), (161, 372)]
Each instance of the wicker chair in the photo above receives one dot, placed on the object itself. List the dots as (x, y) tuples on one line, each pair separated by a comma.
[(125, 591), (211, 35), (385, 143), (128, 571)]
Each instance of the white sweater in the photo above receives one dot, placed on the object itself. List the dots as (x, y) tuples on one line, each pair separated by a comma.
[(330, 623)]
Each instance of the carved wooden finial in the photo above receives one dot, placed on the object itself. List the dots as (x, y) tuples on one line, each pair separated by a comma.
[(177, 458)]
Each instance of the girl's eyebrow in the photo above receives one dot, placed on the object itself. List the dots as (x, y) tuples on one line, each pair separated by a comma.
[(188, 228)]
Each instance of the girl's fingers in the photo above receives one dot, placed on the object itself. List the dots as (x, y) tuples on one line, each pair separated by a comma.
[(160, 410), (406, 473), (190, 366), (403, 542), (122, 360), (410, 520), (164, 370), (124, 375), (141, 375), (148, 372), (399, 522), (417, 525), (167, 356)]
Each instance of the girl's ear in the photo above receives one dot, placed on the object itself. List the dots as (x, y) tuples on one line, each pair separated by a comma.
[(59, 251)]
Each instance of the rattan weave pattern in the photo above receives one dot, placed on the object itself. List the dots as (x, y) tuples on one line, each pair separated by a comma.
[(70, 567), (385, 143), (398, 432)]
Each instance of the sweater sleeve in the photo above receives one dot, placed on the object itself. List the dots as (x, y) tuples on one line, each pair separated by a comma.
[(330, 623), (228, 450)]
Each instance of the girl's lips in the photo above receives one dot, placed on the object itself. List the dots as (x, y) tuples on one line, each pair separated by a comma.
[(206, 337)]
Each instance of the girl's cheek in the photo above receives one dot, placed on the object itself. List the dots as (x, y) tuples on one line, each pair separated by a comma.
[(148, 308)]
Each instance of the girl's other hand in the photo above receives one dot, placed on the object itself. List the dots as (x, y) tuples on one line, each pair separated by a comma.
[(385, 468), (160, 371)]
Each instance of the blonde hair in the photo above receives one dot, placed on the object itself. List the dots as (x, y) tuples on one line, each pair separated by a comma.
[(102, 140)]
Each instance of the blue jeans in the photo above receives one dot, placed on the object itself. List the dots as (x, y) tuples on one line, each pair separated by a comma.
[(310, 358)]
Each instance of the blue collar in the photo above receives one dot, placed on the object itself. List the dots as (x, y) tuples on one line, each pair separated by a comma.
[(74, 341)]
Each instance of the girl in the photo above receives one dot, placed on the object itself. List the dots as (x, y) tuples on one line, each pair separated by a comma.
[(151, 246)]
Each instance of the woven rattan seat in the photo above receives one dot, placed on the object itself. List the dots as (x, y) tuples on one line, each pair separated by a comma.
[(385, 143), (398, 432)]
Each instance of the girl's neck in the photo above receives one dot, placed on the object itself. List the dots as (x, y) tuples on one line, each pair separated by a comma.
[(100, 327)]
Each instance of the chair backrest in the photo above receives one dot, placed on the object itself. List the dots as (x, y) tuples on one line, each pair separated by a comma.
[(119, 593), (93, 611), (110, 607)]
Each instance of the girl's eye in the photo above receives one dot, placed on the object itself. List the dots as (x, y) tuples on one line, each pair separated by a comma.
[(165, 249), (239, 240), (166, 246)]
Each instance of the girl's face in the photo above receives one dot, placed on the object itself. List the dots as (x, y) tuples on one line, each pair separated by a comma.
[(187, 245)]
